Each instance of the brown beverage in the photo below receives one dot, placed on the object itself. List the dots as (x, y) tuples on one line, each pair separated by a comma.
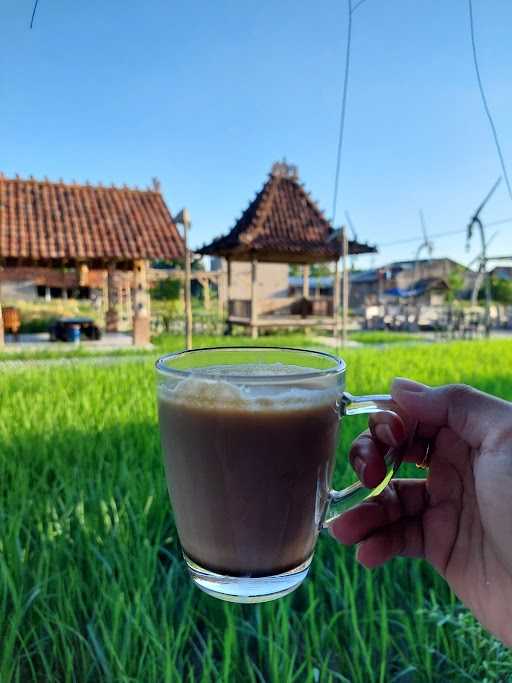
[(248, 471)]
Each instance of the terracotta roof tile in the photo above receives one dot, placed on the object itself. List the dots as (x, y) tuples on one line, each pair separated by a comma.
[(282, 221), (42, 220)]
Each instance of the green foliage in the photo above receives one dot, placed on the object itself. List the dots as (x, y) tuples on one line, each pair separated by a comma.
[(166, 290), (320, 270), (501, 290), (315, 270), (384, 337), (93, 587), (455, 282)]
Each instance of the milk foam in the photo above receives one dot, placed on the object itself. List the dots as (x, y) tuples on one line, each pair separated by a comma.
[(211, 389)]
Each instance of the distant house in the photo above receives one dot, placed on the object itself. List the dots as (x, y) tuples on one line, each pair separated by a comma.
[(502, 273), (424, 281)]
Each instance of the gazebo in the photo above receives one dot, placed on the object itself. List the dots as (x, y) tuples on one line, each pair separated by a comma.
[(85, 228), (283, 225)]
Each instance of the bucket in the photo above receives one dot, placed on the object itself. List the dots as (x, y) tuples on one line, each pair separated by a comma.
[(73, 334)]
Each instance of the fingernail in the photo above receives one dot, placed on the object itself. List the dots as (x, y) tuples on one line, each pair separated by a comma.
[(385, 434), (404, 384)]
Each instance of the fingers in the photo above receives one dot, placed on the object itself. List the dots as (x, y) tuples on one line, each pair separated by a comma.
[(368, 450), (402, 499), (388, 428), (367, 459), (404, 538), (471, 414)]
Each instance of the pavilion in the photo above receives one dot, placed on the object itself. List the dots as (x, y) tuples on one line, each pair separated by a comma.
[(85, 229), (283, 225)]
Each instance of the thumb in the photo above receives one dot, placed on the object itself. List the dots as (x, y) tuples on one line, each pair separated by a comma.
[(471, 414)]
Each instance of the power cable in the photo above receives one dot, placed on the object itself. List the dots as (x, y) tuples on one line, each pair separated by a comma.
[(484, 100), (36, 3), (409, 240), (343, 110)]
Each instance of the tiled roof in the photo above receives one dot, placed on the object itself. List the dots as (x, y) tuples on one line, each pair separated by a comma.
[(282, 222), (44, 221)]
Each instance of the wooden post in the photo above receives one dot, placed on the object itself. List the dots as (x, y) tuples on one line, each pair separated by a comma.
[(305, 281), (83, 275), (336, 299), (188, 278), (206, 292), (221, 294), (141, 313), (254, 310), (344, 332), (112, 317)]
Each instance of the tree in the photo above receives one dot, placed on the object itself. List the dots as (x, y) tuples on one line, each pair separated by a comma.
[(320, 270), (501, 290), (167, 301), (455, 281), (166, 290)]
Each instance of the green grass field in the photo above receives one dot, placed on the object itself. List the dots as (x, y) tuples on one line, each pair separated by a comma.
[(92, 587)]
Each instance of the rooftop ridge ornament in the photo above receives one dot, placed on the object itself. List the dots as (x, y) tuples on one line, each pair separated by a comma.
[(282, 169)]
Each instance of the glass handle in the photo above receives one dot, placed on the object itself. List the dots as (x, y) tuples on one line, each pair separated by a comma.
[(339, 501)]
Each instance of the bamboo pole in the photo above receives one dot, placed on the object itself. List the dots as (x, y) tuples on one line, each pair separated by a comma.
[(254, 310), (188, 278), (344, 329), (336, 299)]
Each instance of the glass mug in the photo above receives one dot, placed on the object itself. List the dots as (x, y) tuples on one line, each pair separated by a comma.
[(249, 439)]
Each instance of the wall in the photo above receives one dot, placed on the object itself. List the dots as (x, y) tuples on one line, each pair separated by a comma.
[(271, 280), (18, 291)]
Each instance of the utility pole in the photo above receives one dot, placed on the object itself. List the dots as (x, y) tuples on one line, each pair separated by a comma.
[(475, 220), (183, 218)]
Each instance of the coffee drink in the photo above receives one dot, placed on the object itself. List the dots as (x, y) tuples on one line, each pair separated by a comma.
[(248, 466)]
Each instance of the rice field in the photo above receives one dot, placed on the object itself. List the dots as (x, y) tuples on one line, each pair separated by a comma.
[(92, 587)]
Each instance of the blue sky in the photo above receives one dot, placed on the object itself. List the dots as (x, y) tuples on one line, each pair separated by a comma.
[(207, 95)]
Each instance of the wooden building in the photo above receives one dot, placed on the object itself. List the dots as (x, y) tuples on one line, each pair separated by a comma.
[(80, 230), (282, 225)]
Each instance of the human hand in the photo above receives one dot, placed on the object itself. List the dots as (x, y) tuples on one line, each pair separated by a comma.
[(459, 519)]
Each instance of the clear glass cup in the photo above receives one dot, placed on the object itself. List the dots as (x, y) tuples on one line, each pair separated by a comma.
[(249, 439)]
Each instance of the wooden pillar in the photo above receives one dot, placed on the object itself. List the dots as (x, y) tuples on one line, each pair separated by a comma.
[(83, 275), (221, 294), (336, 299), (254, 303), (141, 315), (344, 333), (305, 281), (228, 288), (188, 278), (206, 292), (112, 316)]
